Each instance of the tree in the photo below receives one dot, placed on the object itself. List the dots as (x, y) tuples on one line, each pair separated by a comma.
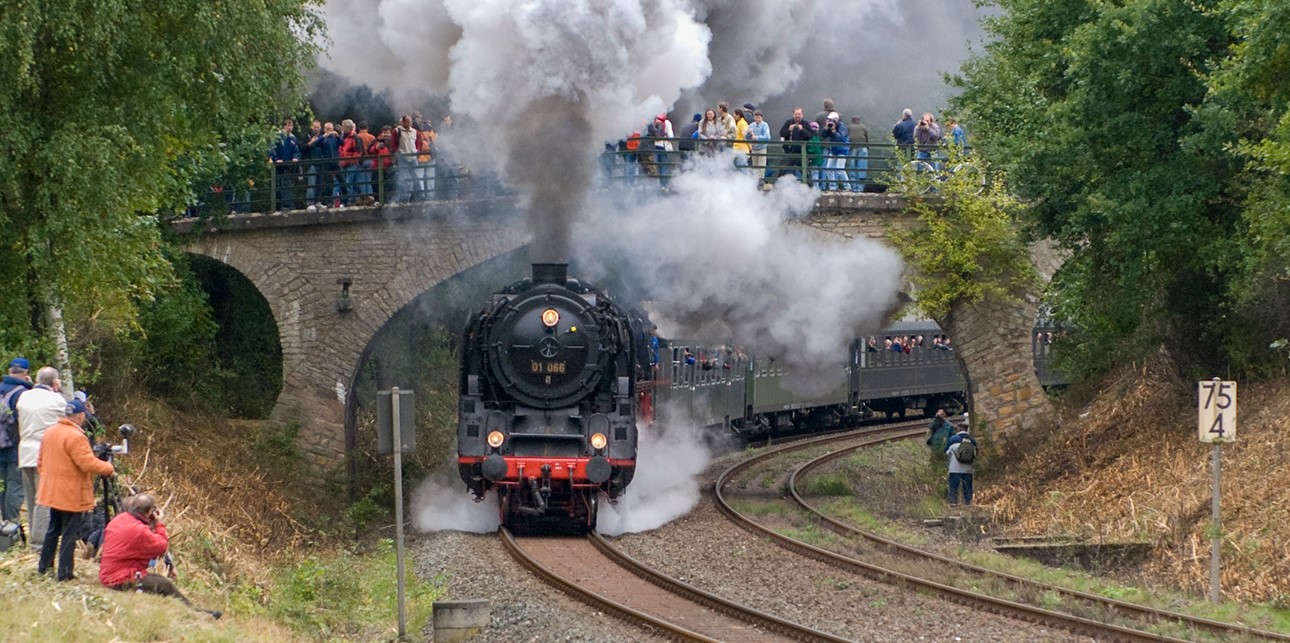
[(969, 246), (110, 110), (1092, 108), (1249, 96)]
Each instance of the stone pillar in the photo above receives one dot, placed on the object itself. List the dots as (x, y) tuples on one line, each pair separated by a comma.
[(993, 342)]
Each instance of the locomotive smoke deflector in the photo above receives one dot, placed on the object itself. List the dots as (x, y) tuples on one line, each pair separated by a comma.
[(550, 273)]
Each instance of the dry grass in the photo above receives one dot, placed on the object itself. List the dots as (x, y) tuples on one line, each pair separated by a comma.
[(1132, 469), (38, 609), (222, 506)]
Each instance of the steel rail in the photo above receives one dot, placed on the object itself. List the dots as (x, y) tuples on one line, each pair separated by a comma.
[(1021, 611), (1141, 611), (573, 589), (766, 621), (676, 588)]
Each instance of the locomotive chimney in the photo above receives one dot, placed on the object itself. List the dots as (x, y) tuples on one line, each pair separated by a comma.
[(550, 273)]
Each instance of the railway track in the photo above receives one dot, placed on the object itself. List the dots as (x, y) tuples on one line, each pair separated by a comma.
[(594, 571), (1087, 614)]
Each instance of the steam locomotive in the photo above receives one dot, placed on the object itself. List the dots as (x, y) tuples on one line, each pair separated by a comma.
[(555, 377), (549, 377)]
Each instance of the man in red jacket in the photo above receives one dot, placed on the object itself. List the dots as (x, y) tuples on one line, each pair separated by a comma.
[(130, 542)]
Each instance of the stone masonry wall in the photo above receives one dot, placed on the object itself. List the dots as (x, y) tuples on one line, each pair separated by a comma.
[(297, 262), (391, 255), (993, 339)]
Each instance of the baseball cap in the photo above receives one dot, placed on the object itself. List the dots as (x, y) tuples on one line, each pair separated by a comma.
[(20, 363), (75, 406)]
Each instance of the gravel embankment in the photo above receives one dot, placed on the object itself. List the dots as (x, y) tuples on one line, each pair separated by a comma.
[(524, 608), (706, 550)]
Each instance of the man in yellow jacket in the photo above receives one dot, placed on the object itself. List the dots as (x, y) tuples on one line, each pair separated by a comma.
[(67, 468)]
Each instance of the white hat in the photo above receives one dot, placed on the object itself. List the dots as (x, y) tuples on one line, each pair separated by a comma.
[(833, 116)]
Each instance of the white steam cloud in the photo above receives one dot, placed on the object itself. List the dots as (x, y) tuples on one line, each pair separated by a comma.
[(718, 259), (666, 485), (446, 504), (543, 84)]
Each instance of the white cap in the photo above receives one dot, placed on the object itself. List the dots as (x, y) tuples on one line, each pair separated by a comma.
[(833, 116)]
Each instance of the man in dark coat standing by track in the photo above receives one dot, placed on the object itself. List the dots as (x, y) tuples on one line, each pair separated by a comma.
[(962, 453), (939, 432)]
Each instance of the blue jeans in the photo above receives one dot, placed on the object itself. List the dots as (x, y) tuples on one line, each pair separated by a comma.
[(835, 173), (365, 186), (405, 183), (859, 167), (350, 177), (286, 183), (964, 480), (13, 491), (311, 180), (663, 158)]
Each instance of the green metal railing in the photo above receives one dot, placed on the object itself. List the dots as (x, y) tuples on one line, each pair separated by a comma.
[(402, 178)]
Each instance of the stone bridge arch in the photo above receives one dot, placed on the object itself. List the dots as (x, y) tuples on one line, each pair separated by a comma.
[(333, 279), (993, 339)]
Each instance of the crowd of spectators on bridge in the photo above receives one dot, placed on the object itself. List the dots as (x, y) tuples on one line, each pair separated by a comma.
[(333, 165), (829, 151), (353, 166)]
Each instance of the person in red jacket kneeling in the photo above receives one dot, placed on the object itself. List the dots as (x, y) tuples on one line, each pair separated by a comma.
[(130, 542)]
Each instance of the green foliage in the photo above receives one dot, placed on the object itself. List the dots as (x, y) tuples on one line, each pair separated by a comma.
[(347, 595), (1128, 128), (969, 247), (248, 349), (833, 484), (279, 444), (110, 110)]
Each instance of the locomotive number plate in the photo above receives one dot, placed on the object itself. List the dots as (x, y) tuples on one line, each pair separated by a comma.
[(556, 368)]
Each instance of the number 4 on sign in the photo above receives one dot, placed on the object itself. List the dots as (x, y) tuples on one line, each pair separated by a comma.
[(1217, 411)]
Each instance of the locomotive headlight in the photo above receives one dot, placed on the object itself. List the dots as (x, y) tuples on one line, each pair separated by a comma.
[(598, 440), (496, 438), (550, 317)]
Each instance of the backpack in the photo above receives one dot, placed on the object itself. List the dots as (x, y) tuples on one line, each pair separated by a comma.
[(9, 419), (966, 452)]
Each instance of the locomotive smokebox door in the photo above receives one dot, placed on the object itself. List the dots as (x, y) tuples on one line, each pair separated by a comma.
[(385, 422)]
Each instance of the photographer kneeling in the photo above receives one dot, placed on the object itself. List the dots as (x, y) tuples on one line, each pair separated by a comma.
[(133, 539)]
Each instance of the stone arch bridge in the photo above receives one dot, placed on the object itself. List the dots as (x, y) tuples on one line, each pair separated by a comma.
[(334, 278)]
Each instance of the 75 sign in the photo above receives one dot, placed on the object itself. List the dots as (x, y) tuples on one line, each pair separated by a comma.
[(1217, 411)]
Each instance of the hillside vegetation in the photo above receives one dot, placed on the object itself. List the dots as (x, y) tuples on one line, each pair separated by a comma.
[(1128, 466)]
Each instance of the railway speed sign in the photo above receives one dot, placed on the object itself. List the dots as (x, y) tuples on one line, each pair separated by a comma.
[(1217, 411)]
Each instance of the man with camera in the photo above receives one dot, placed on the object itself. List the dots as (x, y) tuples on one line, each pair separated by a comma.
[(37, 409), (67, 468), (132, 540)]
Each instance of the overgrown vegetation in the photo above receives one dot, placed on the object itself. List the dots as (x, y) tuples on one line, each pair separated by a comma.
[(969, 247), (348, 594), (1148, 138), (110, 117)]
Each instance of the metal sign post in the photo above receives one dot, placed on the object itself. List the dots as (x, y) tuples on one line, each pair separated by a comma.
[(395, 431), (1216, 424)]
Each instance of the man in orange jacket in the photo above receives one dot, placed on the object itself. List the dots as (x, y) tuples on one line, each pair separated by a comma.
[(67, 468)]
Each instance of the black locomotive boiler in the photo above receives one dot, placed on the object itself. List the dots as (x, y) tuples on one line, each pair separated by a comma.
[(548, 398)]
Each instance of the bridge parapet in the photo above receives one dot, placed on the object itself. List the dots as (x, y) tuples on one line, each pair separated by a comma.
[(334, 277)]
